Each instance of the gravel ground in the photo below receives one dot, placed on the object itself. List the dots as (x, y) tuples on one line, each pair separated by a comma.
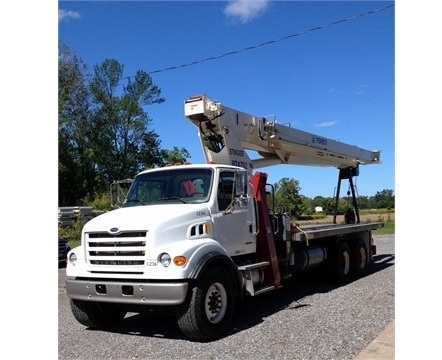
[(307, 319)]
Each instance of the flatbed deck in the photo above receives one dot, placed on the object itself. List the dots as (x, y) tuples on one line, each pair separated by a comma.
[(310, 232)]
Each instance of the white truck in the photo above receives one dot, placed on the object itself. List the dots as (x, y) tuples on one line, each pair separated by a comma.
[(197, 239)]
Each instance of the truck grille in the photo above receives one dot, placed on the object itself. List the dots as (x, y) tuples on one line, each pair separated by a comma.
[(105, 235), (125, 248)]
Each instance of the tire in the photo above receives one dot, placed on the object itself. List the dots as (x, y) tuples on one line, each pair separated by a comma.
[(360, 259), (342, 263), (208, 310), (96, 315)]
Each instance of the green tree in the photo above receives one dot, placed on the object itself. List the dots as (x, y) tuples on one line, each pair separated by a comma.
[(364, 202), (327, 204), (384, 199), (104, 133), (287, 198), (343, 205), (307, 205), (76, 176), (319, 201), (174, 156), (122, 144)]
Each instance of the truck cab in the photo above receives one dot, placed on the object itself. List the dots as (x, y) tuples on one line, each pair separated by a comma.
[(173, 222)]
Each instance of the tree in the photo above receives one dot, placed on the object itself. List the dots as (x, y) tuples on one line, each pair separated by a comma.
[(364, 202), (319, 201), (383, 199), (287, 198), (104, 133), (174, 156), (328, 205), (76, 175), (122, 143)]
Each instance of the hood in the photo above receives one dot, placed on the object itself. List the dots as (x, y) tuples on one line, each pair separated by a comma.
[(150, 218)]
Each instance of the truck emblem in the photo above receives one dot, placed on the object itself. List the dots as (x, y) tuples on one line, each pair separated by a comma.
[(114, 229)]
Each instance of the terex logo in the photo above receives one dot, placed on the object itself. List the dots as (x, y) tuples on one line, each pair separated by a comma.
[(319, 140)]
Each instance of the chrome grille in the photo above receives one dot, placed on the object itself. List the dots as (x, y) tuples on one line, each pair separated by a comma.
[(122, 249)]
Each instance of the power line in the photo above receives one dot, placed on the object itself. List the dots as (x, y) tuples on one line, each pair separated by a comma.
[(272, 41)]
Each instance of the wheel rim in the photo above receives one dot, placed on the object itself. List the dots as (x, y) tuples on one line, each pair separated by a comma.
[(216, 303), (345, 262), (362, 258)]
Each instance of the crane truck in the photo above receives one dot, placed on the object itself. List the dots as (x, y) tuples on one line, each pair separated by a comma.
[(199, 239)]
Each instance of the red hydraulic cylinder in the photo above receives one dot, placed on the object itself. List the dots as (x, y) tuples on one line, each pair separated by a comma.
[(265, 245)]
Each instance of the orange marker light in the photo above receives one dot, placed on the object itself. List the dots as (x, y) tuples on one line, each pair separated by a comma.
[(179, 260)]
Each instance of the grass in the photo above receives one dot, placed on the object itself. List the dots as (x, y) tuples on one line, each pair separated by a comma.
[(366, 216), (386, 230)]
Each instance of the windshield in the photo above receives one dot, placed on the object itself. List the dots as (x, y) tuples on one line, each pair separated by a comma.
[(177, 185)]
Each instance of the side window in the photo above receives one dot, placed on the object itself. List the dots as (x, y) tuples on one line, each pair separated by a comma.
[(241, 183), (225, 189)]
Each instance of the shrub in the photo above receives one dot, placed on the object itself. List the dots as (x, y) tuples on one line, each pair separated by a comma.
[(71, 232)]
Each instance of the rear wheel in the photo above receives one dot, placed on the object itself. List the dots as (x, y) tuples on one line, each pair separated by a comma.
[(96, 315), (208, 310), (341, 263), (360, 259)]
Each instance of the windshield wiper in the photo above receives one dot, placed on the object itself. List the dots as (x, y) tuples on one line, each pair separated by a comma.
[(134, 201), (172, 198)]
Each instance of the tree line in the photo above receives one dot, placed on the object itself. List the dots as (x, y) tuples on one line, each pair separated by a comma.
[(104, 135), (285, 197)]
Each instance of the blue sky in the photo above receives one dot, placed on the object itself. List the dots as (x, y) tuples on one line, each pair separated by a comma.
[(337, 81)]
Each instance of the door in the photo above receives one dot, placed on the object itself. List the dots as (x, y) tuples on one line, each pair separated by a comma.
[(234, 218)]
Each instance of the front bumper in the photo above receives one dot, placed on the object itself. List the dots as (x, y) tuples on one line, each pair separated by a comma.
[(136, 293)]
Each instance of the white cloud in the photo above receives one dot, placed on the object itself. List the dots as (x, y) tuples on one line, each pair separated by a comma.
[(245, 10), (66, 15), (326, 123)]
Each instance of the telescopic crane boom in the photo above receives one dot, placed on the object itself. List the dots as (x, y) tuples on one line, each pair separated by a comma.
[(226, 134)]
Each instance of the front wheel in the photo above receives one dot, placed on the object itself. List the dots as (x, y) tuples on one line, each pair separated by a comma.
[(96, 315), (208, 310)]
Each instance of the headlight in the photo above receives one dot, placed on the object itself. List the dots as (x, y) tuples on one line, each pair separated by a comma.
[(72, 258), (165, 259)]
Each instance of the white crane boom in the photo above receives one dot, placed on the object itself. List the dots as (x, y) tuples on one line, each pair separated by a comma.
[(226, 133)]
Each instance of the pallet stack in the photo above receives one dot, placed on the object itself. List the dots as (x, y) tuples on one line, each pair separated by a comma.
[(68, 214)]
